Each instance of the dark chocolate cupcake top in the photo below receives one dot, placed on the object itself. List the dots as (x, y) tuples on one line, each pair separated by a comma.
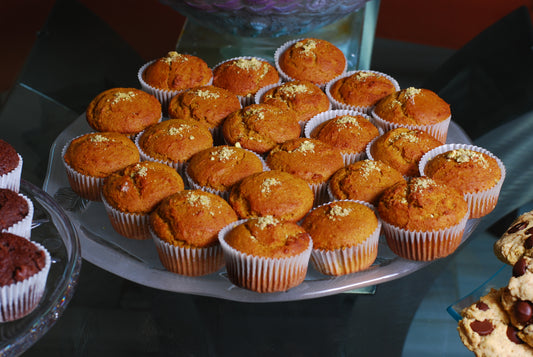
[(9, 158), (19, 259), (13, 208)]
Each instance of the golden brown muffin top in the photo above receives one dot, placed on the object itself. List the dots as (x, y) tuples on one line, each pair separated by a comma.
[(403, 148), (191, 218), (176, 71), (138, 188), (100, 154), (124, 110), (312, 59), (260, 127), (422, 204), (340, 224), (245, 76), (304, 97), (467, 170), (208, 105), (413, 106), (361, 89), (349, 133), (364, 180), (310, 159), (175, 140), (272, 193), (268, 237)]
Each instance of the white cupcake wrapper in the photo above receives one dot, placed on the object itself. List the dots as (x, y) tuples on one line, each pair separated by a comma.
[(479, 203), (351, 259), (23, 227), (11, 180), (20, 299), (365, 109), (129, 225), (85, 186), (189, 261), (263, 274), (178, 166)]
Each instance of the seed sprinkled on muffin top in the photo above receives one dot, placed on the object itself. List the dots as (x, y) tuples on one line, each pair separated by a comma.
[(409, 136), (347, 119), (99, 139), (307, 45), (121, 96), (249, 64), (139, 170), (422, 183), (206, 94), (305, 147), (263, 222), (223, 154), (174, 56), (363, 75), (255, 111), (267, 183), (462, 155), (368, 167), (411, 92), (337, 211), (196, 199), (293, 89)]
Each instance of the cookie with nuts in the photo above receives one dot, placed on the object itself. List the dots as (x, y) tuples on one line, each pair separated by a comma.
[(517, 241)]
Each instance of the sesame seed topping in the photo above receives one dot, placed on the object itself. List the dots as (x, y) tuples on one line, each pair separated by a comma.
[(411, 92), (307, 46), (291, 89), (123, 96), (207, 94), (422, 183), (305, 146), (263, 222), (409, 136), (368, 166), (99, 139), (174, 56), (346, 120), (195, 199), (248, 64), (223, 154), (336, 211), (268, 183), (463, 155)]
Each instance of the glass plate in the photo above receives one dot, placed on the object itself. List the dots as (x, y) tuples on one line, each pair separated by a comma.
[(138, 260), (52, 228)]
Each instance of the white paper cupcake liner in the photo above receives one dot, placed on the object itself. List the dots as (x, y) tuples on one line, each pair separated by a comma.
[(178, 166), (340, 105), (479, 203), (20, 299), (11, 180), (129, 225), (261, 274), (23, 227), (189, 261)]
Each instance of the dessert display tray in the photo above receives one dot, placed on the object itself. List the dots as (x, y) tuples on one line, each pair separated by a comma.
[(138, 260)]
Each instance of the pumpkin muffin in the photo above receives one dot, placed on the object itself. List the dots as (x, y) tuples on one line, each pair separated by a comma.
[(474, 171), (260, 127), (185, 229), (414, 108), (345, 236), (16, 213), (123, 110), (402, 149), (10, 166), (272, 193), (131, 194), (423, 219), (90, 158), (265, 254)]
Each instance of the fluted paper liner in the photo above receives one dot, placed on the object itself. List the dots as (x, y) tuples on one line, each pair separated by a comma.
[(130, 225), (23, 227), (11, 179)]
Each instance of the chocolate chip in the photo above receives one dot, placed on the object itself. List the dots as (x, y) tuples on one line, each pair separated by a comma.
[(512, 335), (517, 227), (528, 243), (519, 267), (482, 306), (483, 328), (523, 311)]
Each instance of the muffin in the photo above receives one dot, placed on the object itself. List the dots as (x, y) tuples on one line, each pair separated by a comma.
[(167, 76), (208, 105), (16, 213), (90, 158), (474, 171), (244, 76), (130, 195), (414, 108), (123, 110), (345, 236), (25, 266), (185, 230), (363, 180), (217, 169), (402, 149), (312, 59), (173, 142), (10, 166), (260, 127), (272, 193), (265, 254), (423, 219), (360, 90), (310, 159), (304, 97), (349, 131)]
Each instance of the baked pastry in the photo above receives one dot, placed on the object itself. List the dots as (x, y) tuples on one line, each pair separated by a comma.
[(10, 166), (265, 254), (272, 193), (244, 76), (185, 229), (16, 213), (402, 148), (130, 195), (312, 59), (470, 169), (363, 180), (90, 158), (517, 240), (260, 127), (173, 142), (123, 110), (218, 168), (360, 90), (349, 131), (24, 270), (345, 236), (423, 219), (414, 108)]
